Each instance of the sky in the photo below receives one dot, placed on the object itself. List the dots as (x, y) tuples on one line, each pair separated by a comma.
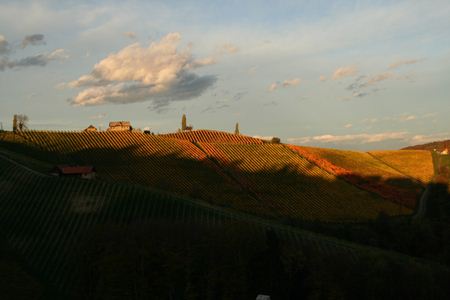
[(343, 74)]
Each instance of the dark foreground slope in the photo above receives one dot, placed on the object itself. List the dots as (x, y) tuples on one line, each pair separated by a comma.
[(96, 240)]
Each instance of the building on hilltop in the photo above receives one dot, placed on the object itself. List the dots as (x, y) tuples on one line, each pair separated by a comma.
[(85, 172), (90, 128), (119, 126)]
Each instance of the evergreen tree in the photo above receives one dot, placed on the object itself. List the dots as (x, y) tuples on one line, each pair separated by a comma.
[(236, 129), (15, 123), (183, 122)]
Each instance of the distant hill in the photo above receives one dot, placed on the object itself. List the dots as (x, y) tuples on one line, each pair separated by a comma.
[(439, 146)]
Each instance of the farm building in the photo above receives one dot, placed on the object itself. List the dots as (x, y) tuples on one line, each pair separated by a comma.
[(86, 172), (91, 128), (445, 151), (119, 126)]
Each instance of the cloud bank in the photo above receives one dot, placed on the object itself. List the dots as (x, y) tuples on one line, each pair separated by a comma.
[(361, 138), (159, 73), (36, 60)]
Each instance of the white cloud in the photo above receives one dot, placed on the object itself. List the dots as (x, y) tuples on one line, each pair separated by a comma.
[(362, 138), (322, 78), (400, 63), (344, 72), (423, 139), (348, 125), (286, 83), (159, 73)]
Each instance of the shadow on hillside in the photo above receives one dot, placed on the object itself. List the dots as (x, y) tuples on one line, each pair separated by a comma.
[(272, 190), (134, 243)]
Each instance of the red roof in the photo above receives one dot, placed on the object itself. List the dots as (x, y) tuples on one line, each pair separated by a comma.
[(72, 170)]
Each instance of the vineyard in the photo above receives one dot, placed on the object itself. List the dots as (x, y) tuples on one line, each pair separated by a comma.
[(416, 164), (45, 219), (267, 180), (167, 164), (292, 186), (212, 136), (367, 172)]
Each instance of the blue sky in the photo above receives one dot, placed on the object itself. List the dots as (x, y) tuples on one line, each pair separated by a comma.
[(345, 74)]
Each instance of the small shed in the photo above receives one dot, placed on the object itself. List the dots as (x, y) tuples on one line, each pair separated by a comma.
[(445, 151), (119, 126), (86, 172), (90, 128)]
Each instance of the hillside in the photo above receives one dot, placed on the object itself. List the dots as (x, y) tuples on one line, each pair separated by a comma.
[(367, 172), (438, 145), (213, 136), (181, 167), (417, 164), (118, 235), (291, 185), (47, 220)]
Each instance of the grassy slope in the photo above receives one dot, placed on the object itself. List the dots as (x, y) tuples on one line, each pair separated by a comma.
[(417, 164)]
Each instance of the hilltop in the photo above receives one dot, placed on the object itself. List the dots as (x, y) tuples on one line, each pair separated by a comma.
[(438, 146)]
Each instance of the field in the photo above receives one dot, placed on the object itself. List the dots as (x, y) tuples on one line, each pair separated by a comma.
[(366, 171), (416, 164)]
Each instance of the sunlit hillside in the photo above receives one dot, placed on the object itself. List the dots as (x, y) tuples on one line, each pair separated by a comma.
[(263, 179)]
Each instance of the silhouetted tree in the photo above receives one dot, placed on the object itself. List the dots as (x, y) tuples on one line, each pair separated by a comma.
[(20, 122), (183, 122), (236, 129), (15, 123)]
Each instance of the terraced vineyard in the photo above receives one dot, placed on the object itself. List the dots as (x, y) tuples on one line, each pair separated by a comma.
[(46, 218), (367, 172), (212, 136), (417, 164), (294, 187)]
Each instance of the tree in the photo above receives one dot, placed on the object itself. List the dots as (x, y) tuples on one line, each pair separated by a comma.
[(236, 129), (21, 122), (183, 122), (15, 123)]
